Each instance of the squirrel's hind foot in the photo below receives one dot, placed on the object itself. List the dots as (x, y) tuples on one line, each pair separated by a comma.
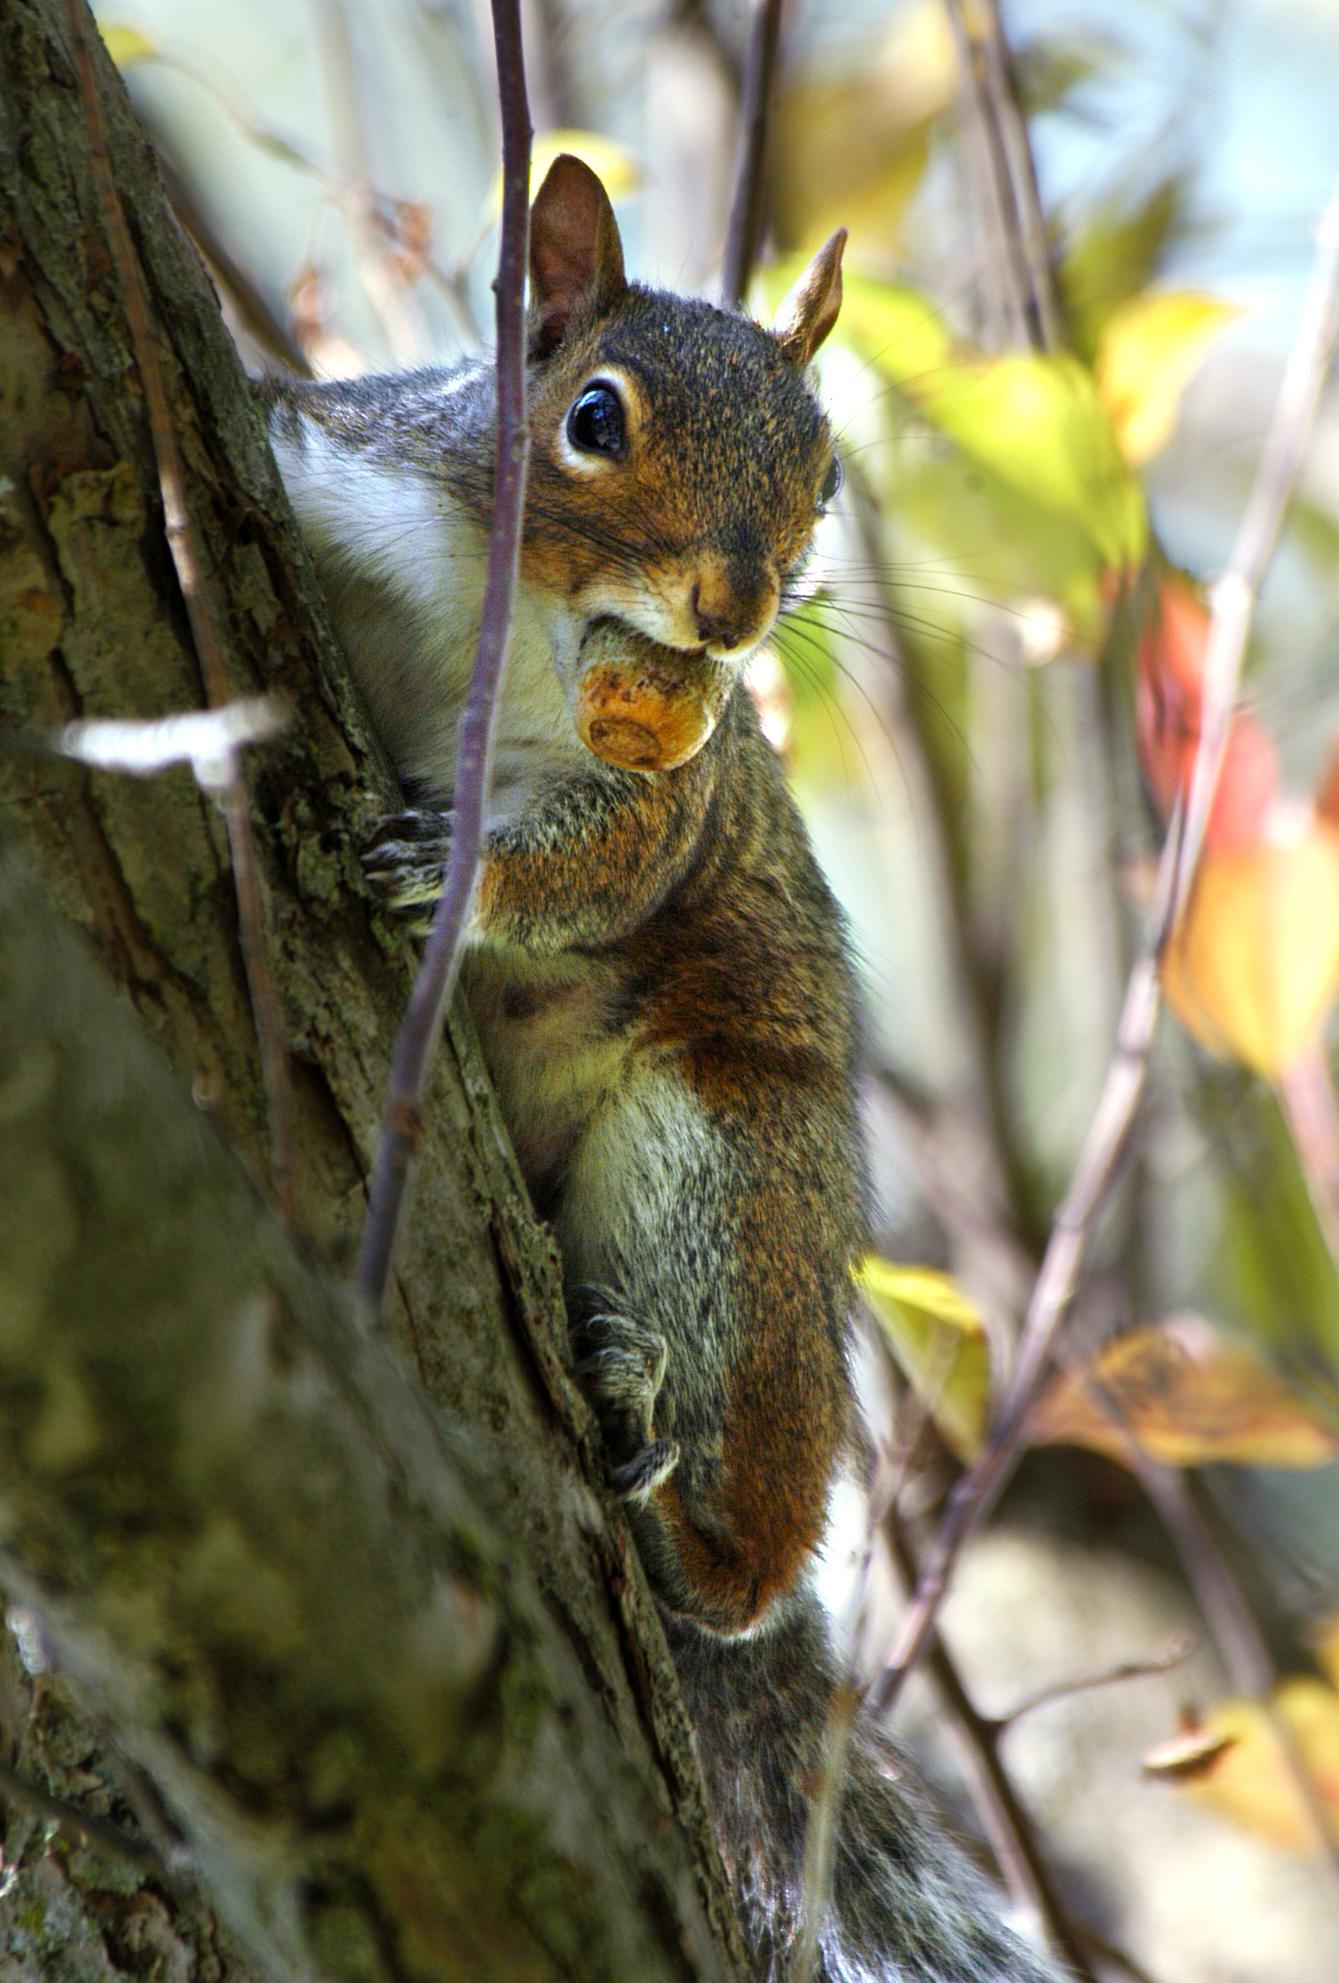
[(621, 1366)]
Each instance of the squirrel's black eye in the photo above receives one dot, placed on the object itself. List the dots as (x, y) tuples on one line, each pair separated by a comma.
[(832, 484), (595, 423)]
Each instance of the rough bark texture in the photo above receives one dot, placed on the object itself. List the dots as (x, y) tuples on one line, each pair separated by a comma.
[(238, 1713)]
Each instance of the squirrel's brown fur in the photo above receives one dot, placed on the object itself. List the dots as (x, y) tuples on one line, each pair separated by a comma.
[(661, 983)]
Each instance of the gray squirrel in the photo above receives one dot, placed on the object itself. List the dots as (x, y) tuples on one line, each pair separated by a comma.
[(662, 988)]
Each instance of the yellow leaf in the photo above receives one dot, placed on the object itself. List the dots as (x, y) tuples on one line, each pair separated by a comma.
[(1151, 348), (1039, 423), (1253, 966), (1191, 1398), (940, 1345), (1245, 1774), (126, 45), (613, 164)]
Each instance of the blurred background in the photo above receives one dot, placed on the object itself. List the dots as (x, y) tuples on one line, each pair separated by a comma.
[(1079, 254)]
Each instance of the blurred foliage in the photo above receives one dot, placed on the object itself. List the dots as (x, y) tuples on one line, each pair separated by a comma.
[(993, 700)]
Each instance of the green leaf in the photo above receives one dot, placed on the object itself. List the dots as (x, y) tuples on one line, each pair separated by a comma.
[(1039, 423), (1151, 349), (940, 1345), (1118, 255), (900, 331)]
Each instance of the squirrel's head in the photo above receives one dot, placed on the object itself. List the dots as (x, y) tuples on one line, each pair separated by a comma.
[(679, 461)]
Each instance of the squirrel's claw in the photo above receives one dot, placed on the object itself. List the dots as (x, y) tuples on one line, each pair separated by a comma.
[(638, 1478), (621, 1371), (406, 869)]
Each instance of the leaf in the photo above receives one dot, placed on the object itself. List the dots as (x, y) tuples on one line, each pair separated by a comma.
[(1036, 422), (1151, 349), (1252, 968), (1188, 1754), (1120, 253), (900, 331), (1039, 422), (940, 1345), (1244, 1773), (1169, 696), (126, 45), (613, 164), (1190, 1397)]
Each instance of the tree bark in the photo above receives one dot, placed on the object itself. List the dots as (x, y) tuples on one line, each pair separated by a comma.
[(405, 1700)]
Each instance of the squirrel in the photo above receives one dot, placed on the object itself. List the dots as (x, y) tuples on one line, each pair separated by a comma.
[(662, 986)]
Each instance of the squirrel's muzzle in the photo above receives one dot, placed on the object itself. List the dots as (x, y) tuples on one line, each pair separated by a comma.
[(641, 706)]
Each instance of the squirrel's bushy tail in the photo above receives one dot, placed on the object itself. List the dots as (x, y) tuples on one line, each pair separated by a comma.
[(905, 1906)]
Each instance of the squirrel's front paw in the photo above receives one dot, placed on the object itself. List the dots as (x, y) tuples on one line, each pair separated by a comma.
[(621, 1365), (406, 866)]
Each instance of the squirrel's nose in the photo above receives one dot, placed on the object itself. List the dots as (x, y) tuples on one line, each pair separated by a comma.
[(727, 615), (718, 627)]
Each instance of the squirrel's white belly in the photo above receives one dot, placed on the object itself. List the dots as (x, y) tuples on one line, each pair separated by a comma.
[(404, 571)]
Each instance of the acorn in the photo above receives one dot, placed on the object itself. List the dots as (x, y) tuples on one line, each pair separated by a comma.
[(645, 707)]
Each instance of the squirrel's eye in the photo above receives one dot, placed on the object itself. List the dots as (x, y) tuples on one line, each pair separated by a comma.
[(832, 484), (595, 423)]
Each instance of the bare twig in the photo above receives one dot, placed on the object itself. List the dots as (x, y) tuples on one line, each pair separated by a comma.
[(1229, 1616), (820, 1839), (208, 740), (1232, 604), (1174, 1653), (984, 59), (181, 537), (1043, 302), (743, 235), (436, 980), (399, 323), (349, 195), (1221, 1600), (96, 1832), (250, 307), (990, 1119), (1012, 1834)]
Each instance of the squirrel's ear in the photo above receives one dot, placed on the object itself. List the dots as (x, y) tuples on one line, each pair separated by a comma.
[(810, 310), (576, 257)]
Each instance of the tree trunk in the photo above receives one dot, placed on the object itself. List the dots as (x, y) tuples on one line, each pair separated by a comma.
[(402, 1699)]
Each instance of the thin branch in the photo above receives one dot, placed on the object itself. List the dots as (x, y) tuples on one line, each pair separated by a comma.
[(743, 234), (1232, 604), (422, 1027), (1011, 1830), (240, 290), (990, 1122), (1221, 1600), (982, 79), (1236, 1634), (1044, 311), (349, 195), (234, 802), (96, 1832), (399, 323), (1174, 1653)]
